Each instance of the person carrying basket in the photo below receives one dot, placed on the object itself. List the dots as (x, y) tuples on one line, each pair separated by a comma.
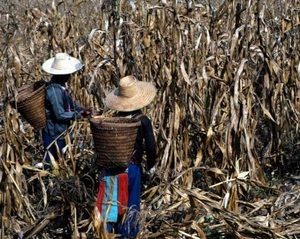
[(61, 109), (123, 185)]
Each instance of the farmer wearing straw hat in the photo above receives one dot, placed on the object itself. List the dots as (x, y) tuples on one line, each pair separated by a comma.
[(60, 107), (128, 100)]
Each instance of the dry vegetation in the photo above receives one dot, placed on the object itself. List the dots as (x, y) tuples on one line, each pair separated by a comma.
[(226, 116)]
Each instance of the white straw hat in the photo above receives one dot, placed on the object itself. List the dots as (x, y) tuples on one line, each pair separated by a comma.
[(62, 64), (130, 95)]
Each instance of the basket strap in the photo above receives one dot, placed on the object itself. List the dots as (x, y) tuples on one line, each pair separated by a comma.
[(138, 116)]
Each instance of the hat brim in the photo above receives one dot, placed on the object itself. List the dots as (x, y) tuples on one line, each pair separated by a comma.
[(145, 94), (75, 65)]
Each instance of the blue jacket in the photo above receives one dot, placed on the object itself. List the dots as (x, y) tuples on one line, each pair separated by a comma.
[(60, 109)]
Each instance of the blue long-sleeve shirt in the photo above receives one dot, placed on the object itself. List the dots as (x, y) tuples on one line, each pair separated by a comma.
[(60, 109)]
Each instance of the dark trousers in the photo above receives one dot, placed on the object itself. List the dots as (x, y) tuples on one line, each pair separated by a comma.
[(130, 227), (61, 143)]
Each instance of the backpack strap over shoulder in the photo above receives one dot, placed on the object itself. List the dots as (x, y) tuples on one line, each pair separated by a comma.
[(39, 84), (137, 116)]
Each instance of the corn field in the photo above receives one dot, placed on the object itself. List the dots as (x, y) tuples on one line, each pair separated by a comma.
[(226, 115)]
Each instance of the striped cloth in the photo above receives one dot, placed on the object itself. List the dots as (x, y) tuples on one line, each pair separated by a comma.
[(112, 195)]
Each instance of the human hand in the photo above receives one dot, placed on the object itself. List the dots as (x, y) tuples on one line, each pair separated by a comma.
[(97, 113), (148, 177), (152, 170), (86, 112)]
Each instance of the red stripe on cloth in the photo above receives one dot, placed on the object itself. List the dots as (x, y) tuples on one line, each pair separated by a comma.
[(100, 196), (122, 192)]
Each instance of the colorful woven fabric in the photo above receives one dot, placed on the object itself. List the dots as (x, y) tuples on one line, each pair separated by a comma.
[(112, 195), (122, 192), (111, 199), (107, 199), (100, 196)]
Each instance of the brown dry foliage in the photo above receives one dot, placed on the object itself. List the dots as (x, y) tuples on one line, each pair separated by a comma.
[(225, 117)]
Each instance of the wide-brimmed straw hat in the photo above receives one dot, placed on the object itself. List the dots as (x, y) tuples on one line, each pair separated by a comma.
[(131, 95), (62, 64)]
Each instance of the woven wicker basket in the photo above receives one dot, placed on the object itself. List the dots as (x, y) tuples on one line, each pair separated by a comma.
[(114, 140), (31, 105)]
